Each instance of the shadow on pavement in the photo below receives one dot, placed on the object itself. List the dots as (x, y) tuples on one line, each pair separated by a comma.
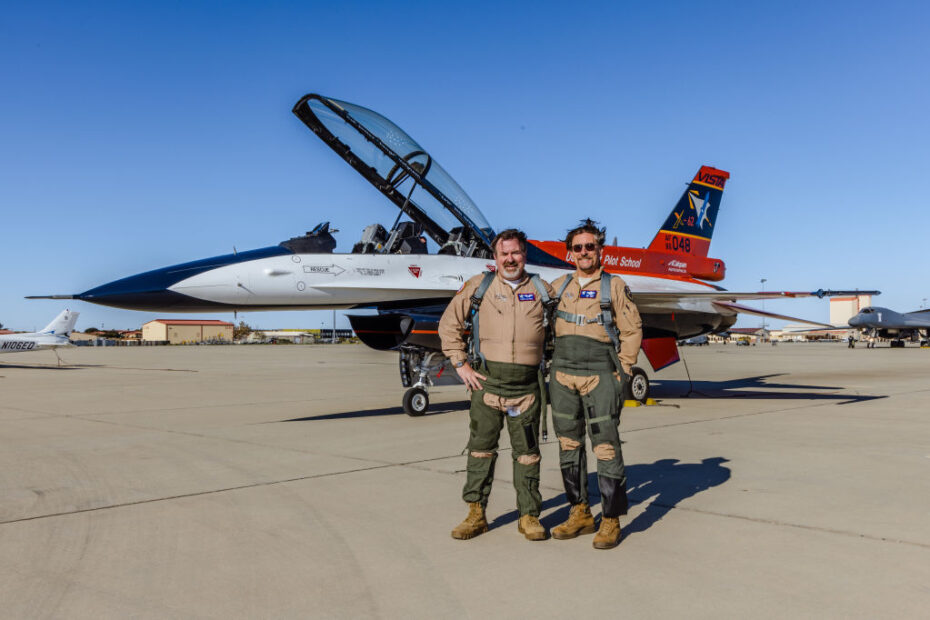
[(758, 387), (667, 481), (37, 367), (435, 409)]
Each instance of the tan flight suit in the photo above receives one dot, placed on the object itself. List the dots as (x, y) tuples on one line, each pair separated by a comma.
[(511, 339), (586, 389)]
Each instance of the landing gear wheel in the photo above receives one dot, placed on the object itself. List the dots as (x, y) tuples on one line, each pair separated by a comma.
[(416, 401), (638, 388)]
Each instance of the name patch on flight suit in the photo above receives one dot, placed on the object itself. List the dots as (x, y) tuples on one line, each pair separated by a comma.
[(526, 296), (588, 294)]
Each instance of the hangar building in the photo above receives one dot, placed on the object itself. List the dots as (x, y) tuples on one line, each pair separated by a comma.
[(185, 331), (844, 308)]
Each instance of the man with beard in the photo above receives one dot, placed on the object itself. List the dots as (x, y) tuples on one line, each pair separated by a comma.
[(501, 366), (598, 332)]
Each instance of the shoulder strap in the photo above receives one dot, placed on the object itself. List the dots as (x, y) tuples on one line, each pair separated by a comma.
[(568, 280), (537, 282), (607, 317), (471, 321)]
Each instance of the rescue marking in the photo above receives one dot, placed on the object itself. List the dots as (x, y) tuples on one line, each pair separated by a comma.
[(414, 270)]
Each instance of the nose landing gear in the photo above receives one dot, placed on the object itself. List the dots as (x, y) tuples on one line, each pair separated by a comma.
[(416, 370)]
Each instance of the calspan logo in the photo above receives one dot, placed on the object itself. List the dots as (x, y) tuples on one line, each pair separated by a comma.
[(693, 198), (414, 270)]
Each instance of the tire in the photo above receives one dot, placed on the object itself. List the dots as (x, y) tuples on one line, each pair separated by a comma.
[(638, 386), (416, 402)]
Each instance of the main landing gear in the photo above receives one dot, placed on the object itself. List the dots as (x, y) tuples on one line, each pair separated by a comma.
[(638, 387)]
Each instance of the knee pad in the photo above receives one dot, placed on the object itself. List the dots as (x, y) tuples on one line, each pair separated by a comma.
[(528, 459), (604, 452)]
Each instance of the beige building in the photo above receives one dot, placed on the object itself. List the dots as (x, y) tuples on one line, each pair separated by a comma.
[(844, 308), (183, 331)]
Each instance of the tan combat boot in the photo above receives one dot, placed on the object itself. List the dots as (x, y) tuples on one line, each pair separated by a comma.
[(474, 523), (580, 521), (529, 526), (608, 536)]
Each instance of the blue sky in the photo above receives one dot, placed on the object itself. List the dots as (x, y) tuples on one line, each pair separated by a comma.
[(138, 135)]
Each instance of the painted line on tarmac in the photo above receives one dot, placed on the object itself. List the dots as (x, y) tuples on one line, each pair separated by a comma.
[(766, 412)]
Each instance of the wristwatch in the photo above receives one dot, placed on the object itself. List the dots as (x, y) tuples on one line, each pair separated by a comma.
[(458, 364)]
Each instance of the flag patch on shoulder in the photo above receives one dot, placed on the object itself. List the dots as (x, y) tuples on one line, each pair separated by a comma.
[(526, 296), (588, 294)]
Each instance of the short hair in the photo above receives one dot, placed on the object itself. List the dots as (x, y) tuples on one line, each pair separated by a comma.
[(510, 233), (586, 225)]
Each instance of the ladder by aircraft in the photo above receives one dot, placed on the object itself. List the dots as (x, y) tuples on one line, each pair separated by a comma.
[(53, 336), (439, 239)]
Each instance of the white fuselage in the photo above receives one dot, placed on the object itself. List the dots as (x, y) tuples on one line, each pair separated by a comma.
[(19, 343), (324, 281)]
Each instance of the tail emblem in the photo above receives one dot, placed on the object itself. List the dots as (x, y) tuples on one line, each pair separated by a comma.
[(693, 197)]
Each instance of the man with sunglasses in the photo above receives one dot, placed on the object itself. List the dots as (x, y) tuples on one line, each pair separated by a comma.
[(500, 364), (598, 332)]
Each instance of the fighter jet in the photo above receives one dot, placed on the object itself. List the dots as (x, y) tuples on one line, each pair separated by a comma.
[(53, 336), (408, 272), (884, 323)]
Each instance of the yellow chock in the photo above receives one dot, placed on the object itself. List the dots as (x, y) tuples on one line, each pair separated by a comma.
[(636, 403)]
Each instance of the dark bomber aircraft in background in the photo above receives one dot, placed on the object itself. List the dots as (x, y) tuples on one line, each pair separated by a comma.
[(884, 323), (439, 239)]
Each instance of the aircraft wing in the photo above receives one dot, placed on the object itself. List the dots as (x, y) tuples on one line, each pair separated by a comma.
[(747, 310), (663, 297)]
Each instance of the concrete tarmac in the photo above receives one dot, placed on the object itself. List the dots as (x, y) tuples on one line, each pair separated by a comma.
[(285, 481)]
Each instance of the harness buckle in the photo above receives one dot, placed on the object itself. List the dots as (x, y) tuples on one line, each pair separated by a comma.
[(579, 320)]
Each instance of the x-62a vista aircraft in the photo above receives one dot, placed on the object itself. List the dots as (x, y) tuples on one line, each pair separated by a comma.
[(408, 272), (54, 335)]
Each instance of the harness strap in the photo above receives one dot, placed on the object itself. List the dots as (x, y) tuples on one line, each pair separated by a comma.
[(605, 318), (607, 312), (471, 321), (579, 319)]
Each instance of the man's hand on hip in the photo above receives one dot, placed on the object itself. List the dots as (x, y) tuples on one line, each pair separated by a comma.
[(470, 377)]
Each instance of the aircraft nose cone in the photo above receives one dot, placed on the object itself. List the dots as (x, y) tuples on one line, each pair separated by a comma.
[(855, 321), (144, 291), (133, 293)]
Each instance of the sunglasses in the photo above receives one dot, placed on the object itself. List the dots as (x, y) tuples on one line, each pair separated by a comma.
[(590, 247)]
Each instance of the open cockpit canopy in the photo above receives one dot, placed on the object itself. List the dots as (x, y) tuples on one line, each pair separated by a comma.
[(403, 171)]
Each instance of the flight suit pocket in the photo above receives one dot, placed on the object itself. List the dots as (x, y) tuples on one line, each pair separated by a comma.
[(582, 385), (520, 404)]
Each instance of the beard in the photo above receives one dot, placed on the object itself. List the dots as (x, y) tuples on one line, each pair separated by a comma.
[(511, 271)]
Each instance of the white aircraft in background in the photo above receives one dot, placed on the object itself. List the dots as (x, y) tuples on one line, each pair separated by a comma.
[(53, 336)]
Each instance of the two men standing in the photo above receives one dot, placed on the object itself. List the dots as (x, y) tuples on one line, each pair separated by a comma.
[(505, 312)]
